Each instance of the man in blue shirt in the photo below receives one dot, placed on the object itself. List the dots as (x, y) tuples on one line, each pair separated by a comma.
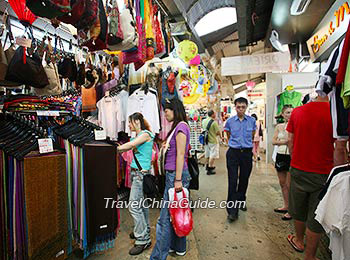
[(240, 131)]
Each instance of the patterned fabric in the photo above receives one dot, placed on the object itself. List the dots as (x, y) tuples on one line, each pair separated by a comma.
[(46, 215)]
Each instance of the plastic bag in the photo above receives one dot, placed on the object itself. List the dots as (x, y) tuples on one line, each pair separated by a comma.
[(180, 213)]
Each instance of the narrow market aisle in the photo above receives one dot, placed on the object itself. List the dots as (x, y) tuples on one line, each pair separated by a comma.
[(259, 233)]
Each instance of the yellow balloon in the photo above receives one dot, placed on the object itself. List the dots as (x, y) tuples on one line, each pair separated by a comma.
[(187, 50), (206, 87), (191, 99), (194, 72)]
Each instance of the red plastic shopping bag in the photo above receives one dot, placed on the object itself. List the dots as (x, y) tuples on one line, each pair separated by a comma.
[(181, 215)]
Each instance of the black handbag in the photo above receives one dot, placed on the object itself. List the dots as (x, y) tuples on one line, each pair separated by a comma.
[(193, 169), (67, 68), (150, 183), (30, 72)]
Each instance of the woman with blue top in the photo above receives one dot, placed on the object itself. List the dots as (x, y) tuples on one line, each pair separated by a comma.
[(142, 146)]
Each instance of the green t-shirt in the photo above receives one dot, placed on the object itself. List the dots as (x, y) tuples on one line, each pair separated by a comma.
[(214, 128)]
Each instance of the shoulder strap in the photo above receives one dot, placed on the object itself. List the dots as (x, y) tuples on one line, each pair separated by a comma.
[(173, 132), (137, 161), (209, 124)]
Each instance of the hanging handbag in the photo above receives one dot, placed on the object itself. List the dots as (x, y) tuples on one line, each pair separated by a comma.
[(149, 185), (115, 33), (77, 12), (99, 43), (88, 18), (29, 72), (138, 56), (67, 66), (130, 37), (49, 8), (54, 87)]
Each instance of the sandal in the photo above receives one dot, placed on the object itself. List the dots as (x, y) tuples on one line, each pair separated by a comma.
[(290, 239), (278, 210), (286, 218)]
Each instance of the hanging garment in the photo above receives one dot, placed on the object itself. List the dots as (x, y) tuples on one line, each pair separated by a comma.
[(46, 214), (344, 56), (89, 99), (293, 98), (345, 89), (100, 183), (169, 90), (109, 116), (333, 212), (147, 105)]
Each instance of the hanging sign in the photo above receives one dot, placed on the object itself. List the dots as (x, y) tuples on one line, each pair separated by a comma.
[(45, 145), (259, 63), (100, 135), (332, 27), (24, 42), (47, 113)]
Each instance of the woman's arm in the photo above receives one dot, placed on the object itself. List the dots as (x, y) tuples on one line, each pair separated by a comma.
[(132, 144), (180, 159), (275, 140)]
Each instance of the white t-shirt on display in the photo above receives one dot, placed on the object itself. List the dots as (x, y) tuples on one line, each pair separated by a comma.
[(333, 213)]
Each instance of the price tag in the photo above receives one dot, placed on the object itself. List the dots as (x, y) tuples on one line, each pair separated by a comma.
[(100, 135), (24, 42), (45, 145), (48, 113)]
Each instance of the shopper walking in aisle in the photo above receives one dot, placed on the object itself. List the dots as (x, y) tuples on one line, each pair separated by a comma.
[(256, 140), (282, 165), (240, 131), (212, 149), (177, 176), (311, 145), (142, 148)]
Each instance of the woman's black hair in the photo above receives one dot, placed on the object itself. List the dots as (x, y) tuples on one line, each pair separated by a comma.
[(255, 116), (179, 112), (285, 107), (143, 122)]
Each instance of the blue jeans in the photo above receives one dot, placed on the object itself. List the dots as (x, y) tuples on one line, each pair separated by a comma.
[(142, 229), (165, 235)]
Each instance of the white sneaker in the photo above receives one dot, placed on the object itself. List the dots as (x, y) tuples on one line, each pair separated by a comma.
[(178, 253), (181, 253)]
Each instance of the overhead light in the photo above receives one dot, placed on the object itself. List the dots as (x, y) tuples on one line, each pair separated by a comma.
[(299, 6), (216, 20), (274, 39)]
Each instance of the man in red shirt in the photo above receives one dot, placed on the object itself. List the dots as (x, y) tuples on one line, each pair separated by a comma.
[(311, 145)]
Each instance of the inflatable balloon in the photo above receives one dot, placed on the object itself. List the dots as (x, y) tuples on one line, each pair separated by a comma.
[(195, 61), (191, 99), (194, 73), (187, 50), (213, 88)]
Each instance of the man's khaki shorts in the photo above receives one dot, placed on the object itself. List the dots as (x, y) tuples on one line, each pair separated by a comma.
[(212, 151), (303, 197)]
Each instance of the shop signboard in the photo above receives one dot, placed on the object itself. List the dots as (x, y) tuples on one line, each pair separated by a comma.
[(330, 30), (253, 64)]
